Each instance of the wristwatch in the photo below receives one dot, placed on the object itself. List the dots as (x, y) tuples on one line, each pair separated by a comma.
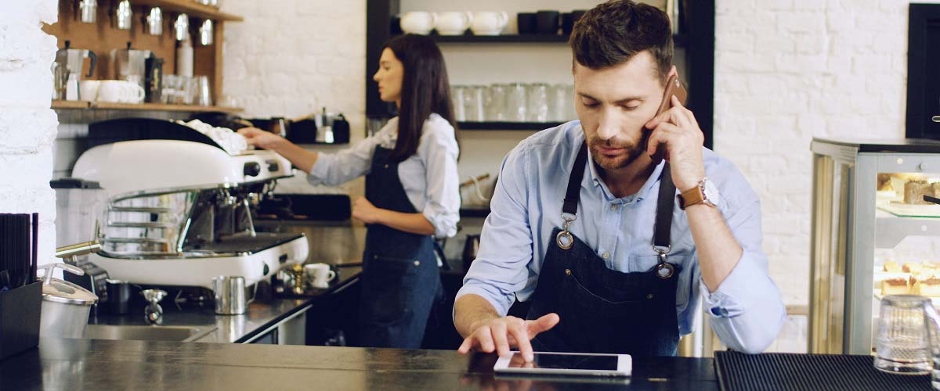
[(704, 193)]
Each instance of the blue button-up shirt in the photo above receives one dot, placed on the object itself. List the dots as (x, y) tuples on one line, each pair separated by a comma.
[(746, 311)]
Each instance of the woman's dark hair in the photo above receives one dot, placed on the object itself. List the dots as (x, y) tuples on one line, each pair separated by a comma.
[(613, 32), (425, 89)]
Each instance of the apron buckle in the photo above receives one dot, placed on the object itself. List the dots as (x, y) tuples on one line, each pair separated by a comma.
[(664, 270), (564, 239)]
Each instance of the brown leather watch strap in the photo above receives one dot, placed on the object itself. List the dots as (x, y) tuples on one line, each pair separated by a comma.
[(691, 197)]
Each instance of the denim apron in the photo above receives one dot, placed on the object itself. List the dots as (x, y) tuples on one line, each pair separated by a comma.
[(400, 275), (603, 310)]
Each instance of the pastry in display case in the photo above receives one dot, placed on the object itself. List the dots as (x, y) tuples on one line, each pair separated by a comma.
[(873, 234)]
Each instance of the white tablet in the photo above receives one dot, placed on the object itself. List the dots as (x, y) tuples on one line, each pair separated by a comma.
[(579, 364)]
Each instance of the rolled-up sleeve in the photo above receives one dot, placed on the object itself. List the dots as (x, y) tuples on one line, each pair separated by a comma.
[(439, 150), (500, 269), (747, 310)]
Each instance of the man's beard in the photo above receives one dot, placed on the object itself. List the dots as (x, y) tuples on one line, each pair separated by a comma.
[(633, 151)]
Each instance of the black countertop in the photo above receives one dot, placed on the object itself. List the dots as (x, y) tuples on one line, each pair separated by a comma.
[(78, 364)]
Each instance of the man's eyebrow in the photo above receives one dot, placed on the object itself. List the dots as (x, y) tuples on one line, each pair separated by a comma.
[(619, 101)]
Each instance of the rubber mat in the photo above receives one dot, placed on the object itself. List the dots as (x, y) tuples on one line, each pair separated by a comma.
[(816, 372)]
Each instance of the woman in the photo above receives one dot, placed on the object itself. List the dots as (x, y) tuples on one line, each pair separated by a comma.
[(412, 192)]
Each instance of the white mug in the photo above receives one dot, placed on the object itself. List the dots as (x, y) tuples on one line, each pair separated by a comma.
[(319, 275), (120, 91), (88, 89)]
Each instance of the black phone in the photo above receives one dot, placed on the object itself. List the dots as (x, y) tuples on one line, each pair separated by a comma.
[(673, 88)]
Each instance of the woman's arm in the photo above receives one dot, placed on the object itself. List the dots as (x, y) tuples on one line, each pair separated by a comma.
[(299, 157), (414, 223)]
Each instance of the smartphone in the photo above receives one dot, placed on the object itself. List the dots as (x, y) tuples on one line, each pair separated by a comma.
[(578, 364), (673, 88)]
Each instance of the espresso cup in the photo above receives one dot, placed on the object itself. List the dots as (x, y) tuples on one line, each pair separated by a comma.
[(120, 91), (88, 89), (319, 275)]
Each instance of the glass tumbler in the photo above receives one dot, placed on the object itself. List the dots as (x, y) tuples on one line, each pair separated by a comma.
[(516, 102), (473, 103), (537, 102), (495, 102), (903, 341), (559, 103), (457, 96)]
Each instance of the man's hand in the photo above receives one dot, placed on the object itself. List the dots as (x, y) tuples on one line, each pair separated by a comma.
[(679, 132), (261, 138), (365, 211), (501, 334)]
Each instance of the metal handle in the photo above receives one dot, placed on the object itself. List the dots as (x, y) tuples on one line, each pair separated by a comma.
[(77, 249), (935, 118)]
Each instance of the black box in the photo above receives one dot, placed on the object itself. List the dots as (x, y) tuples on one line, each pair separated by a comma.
[(19, 319)]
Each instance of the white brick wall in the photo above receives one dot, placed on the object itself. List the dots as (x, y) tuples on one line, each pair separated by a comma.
[(788, 71), (27, 124)]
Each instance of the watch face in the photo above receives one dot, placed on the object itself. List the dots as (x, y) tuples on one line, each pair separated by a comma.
[(711, 192)]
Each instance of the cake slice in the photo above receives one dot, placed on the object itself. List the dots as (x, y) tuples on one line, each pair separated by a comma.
[(892, 267), (914, 192), (910, 267), (929, 286), (894, 286)]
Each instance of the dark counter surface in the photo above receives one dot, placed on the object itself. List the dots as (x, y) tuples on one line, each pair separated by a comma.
[(78, 364), (260, 317)]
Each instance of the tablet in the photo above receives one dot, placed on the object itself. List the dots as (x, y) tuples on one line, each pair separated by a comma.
[(579, 364)]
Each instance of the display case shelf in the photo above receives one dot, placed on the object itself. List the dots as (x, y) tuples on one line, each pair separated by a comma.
[(679, 40), (893, 229), (84, 105)]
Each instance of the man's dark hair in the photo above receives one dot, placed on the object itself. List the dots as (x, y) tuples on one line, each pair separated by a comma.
[(424, 90), (612, 33)]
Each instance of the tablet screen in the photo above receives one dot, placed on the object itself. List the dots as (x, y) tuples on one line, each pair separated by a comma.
[(567, 361)]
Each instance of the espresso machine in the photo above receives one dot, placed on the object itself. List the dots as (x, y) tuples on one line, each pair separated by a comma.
[(67, 71), (179, 207)]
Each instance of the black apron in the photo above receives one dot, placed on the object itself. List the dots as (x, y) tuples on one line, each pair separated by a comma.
[(603, 310), (400, 276)]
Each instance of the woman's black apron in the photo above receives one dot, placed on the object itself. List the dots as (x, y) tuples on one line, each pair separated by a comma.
[(400, 275), (602, 310)]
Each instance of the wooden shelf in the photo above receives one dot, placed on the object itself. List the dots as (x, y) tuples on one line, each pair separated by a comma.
[(506, 125), (191, 8), (83, 105)]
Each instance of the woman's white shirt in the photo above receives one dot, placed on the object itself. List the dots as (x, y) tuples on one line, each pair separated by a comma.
[(429, 177)]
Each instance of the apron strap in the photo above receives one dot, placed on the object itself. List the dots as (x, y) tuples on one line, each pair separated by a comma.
[(664, 207), (573, 195)]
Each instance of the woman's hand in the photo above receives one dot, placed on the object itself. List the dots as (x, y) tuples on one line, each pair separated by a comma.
[(262, 139), (365, 211)]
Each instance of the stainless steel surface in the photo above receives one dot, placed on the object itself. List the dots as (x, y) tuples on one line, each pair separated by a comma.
[(148, 333), (87, 11), (230, 298), (181, 27), (205, 32), (130, 365), (123, 14), (155, 21)]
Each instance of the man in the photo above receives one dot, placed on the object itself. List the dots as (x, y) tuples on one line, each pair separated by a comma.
[(583, 254)]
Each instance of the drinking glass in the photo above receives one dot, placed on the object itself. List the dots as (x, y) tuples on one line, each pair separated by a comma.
[(516, 102), (559, 103), (457, 95), (903, 341), (473, 103), (537, 102), (495, 102)]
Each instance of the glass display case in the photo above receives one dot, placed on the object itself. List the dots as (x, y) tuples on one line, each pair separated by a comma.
[(873, 233)]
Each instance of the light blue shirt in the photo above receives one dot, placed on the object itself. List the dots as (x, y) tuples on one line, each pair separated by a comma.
[(746, 311), (429, 177)]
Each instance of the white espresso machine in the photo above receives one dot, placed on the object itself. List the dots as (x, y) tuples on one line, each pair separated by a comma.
[(179, 211)]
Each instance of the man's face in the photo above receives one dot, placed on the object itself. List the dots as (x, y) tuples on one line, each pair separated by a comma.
[(613, 104)]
